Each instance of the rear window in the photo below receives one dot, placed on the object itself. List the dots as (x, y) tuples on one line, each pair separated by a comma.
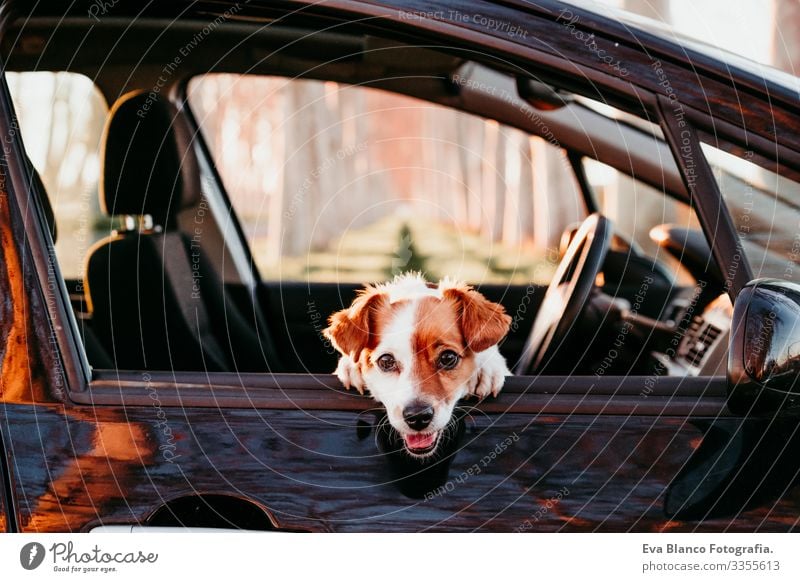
[(61, 117)]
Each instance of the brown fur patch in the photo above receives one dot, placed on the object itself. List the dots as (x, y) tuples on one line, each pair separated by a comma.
[(436, 330), (356, 331), (483, 322)]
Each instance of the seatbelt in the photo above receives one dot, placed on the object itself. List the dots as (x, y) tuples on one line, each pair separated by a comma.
[(185, 283)]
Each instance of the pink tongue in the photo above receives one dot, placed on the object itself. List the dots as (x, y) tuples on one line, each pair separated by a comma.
[(419, 441)]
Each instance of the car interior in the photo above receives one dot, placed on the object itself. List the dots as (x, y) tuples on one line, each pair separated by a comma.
[(154, 296)]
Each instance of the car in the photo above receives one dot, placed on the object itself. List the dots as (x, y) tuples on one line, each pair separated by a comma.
[(630, 197)]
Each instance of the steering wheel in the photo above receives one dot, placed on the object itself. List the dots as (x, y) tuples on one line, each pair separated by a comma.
[(567, 293)]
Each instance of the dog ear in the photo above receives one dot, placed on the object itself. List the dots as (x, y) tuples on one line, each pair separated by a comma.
[(353, 329), (483, 322)]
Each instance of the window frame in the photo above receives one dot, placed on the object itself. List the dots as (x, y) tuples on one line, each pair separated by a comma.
[(705, 197), (38, 248), (699, 396)]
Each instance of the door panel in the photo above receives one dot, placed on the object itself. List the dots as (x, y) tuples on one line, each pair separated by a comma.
[(321, 470)]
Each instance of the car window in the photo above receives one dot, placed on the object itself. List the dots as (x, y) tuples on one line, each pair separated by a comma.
[(765, 209), (345, 183), (61, 117)]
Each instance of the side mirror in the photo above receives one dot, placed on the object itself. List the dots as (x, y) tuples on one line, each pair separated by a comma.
[(764, 356)]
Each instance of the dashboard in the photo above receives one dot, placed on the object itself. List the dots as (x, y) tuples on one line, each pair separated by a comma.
[(703, 349)]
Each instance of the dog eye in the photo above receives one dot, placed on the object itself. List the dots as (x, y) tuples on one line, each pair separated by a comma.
[(387, 363), (448, 360)]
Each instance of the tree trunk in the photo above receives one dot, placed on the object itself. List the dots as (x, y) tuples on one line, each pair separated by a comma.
[(786, 44), (526, 210)]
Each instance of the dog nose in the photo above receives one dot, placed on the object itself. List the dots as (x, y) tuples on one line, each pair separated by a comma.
[(418, 415)]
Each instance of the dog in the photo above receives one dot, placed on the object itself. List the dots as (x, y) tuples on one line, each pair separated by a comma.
[(419, 348)]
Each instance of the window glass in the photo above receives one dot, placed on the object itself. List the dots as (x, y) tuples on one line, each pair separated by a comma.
[(344, 183), (61, 116), (765, 209)]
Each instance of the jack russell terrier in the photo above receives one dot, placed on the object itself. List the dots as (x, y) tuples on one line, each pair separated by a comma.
[(419, 348)]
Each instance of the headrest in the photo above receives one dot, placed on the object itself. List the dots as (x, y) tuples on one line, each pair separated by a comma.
[(143, 168), (689, 246)]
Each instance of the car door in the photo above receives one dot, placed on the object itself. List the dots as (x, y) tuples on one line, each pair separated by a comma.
[(572, 453)]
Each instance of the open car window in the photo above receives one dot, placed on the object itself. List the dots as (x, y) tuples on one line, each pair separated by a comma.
[(332, 184), (336, 183)]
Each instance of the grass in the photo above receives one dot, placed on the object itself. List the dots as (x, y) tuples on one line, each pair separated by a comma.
[(392, 245)]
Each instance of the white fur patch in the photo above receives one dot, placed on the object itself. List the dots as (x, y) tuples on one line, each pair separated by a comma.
[(395, 390), (490, 373), (408, 286)]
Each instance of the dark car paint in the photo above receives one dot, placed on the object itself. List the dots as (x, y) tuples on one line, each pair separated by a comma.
[(581, 453), (315, 473)]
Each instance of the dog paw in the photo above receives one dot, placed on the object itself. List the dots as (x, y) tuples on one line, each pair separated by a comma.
[(490, 373), (349, 374)]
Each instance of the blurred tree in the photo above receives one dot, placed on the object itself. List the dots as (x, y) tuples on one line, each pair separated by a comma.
[(786, 40)]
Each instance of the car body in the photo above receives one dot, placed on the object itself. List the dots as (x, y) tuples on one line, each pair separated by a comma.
[(287, 449)]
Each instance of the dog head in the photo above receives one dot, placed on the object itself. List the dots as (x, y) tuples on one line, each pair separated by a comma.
[(414, 346)]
